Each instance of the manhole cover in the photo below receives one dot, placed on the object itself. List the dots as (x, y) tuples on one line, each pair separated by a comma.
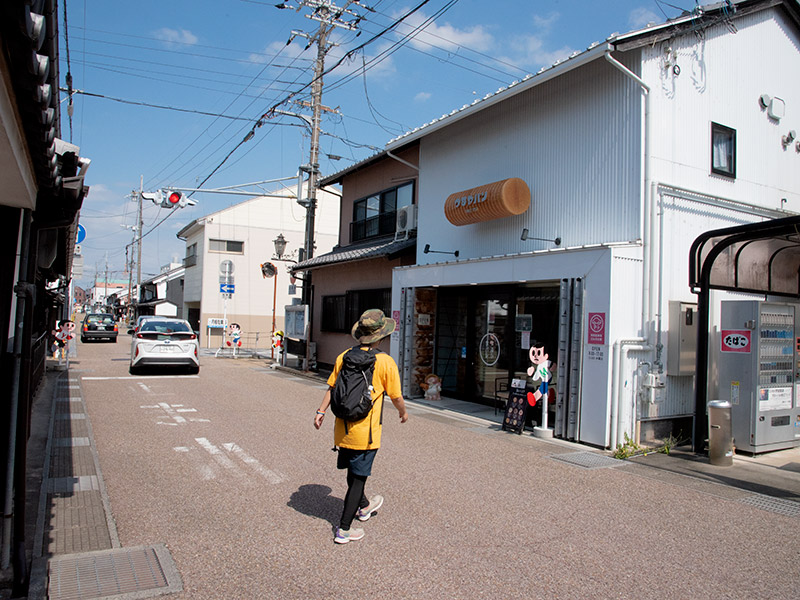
[(588, 460), (147, 570), (776, 505)]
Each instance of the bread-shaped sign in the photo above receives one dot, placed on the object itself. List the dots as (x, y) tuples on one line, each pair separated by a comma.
[(487, 202)]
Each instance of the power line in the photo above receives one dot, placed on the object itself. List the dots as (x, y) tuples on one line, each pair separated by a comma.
[(160, 106)]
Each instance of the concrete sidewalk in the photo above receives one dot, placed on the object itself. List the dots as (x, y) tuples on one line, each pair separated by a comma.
[(74, 525)]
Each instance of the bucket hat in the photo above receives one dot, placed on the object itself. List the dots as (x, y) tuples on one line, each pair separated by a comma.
[(372, 326)]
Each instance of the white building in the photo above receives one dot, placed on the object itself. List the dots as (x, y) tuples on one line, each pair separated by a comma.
[(162, 294), (629, 150), (230, 246)]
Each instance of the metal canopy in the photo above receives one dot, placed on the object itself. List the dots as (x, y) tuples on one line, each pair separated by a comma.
[(758, 258)]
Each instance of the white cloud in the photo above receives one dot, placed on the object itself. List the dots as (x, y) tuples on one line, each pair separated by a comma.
[(445, 36), (180, 36), (640, 17), (422, 97)]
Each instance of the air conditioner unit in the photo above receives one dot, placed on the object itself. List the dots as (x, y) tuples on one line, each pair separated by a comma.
[(406, 222)]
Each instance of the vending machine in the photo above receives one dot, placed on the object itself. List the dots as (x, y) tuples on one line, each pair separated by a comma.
[(759, 373)]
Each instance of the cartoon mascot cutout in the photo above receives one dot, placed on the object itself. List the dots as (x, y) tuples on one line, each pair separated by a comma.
[(235, 335), (539, 371), (432, 386), (63, 335)]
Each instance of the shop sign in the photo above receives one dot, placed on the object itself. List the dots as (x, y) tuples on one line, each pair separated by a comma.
[(487, 202), (735, 340), (597, 328)]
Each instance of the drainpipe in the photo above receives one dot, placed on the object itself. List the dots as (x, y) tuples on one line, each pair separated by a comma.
[(23, 290), (648, 210), (400, 160)]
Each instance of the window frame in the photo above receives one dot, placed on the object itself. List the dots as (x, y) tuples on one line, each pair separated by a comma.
[(366, 223), (719, 129), (227, 250), (351, 305)]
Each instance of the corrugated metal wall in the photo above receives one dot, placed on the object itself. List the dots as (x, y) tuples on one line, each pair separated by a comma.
[(575, 140)]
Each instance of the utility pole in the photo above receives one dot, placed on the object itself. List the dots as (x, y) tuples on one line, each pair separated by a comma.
[(140, 224), (329, 16)]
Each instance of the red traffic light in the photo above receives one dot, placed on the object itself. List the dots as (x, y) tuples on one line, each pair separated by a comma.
[(174, 198)]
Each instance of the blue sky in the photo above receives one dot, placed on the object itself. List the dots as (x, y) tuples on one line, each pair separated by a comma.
[(231, 59)]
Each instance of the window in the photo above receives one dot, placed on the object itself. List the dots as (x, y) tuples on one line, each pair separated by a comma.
[(723, 150), (339, 313), (334, 314), (226, 246), (375, 215), (191, 256)]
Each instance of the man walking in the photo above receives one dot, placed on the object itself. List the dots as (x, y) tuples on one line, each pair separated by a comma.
[(358, 441)]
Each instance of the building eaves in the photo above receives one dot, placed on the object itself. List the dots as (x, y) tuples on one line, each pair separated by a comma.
[(377, 249)]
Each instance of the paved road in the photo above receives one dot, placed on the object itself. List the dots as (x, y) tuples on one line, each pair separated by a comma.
[(227, 470)]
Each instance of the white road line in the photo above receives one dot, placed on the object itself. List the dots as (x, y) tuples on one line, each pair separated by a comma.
[(138, 377), (171, 413), (253, 463), (221, 458), (207, 472), (143, 386)]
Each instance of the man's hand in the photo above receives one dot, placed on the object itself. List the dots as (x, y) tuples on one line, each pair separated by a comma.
[(403, 416), (318, 420)]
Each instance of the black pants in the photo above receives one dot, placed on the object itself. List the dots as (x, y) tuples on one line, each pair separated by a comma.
[(354, 499)]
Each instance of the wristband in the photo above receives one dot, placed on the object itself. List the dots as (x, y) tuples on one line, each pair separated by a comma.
[(319, 412)]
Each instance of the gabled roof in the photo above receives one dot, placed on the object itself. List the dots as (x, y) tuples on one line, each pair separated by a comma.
[(701, 18)]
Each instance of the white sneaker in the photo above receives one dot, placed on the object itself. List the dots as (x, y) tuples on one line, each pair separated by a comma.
[(365, 513), (347, 535)]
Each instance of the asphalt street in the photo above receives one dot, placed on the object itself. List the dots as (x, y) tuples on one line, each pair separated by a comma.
[(227, 471)]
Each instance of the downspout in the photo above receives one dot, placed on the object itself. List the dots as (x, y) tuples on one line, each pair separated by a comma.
[(640, 343), (400, 160), (23, 290)]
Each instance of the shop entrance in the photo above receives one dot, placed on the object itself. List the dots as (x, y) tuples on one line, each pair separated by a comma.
[(484, 334)]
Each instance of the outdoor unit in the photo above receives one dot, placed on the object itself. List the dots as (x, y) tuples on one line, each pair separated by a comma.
[(406, 222)]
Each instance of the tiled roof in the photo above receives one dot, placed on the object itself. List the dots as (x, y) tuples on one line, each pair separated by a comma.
[(353, 253)]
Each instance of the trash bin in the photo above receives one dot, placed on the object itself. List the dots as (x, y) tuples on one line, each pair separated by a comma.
[(720, 440)]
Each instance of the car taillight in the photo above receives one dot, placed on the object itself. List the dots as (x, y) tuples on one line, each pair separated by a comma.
[(115, 327), (86, 328), (140, 336), (193, 337), (135, 354)]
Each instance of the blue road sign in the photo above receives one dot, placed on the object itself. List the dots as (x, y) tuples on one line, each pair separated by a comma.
[(81, 234), (227, 288)]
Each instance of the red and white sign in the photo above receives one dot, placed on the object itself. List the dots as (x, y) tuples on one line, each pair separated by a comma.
[(735, 340), (596, 333)]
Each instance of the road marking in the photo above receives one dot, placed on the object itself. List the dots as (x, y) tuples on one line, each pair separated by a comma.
[(172, 412), (143, 386), (206, 471), (270, 476), (221, 458), (139, 376)]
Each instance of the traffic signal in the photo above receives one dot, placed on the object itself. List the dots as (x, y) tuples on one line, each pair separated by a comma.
[(173, 199), (154, 197)]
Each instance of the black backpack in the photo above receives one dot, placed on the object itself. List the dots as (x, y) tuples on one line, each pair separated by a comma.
[(351, 399)]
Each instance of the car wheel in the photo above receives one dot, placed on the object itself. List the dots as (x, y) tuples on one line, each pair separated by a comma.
[(193, 370), (134, 370), (83, 340), (113, 340)]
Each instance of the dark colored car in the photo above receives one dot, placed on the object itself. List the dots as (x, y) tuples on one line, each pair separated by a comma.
[(98, 326)]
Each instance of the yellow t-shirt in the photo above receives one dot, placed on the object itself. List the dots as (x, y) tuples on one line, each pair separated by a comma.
[(385, 380)]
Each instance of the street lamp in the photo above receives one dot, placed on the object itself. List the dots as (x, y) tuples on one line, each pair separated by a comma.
[(269, 270), (280, 245)]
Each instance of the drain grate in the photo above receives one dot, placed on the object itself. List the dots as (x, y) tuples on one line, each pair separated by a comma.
[(147, 571), (776, 505), (589, 460)]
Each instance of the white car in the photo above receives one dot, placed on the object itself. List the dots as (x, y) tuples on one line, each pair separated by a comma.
[(164, 342)]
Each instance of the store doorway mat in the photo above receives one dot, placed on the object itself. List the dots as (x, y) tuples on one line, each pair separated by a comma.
[(125, 573)]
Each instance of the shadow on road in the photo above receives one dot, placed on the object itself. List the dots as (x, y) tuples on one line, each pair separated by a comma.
[(315, 500)]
